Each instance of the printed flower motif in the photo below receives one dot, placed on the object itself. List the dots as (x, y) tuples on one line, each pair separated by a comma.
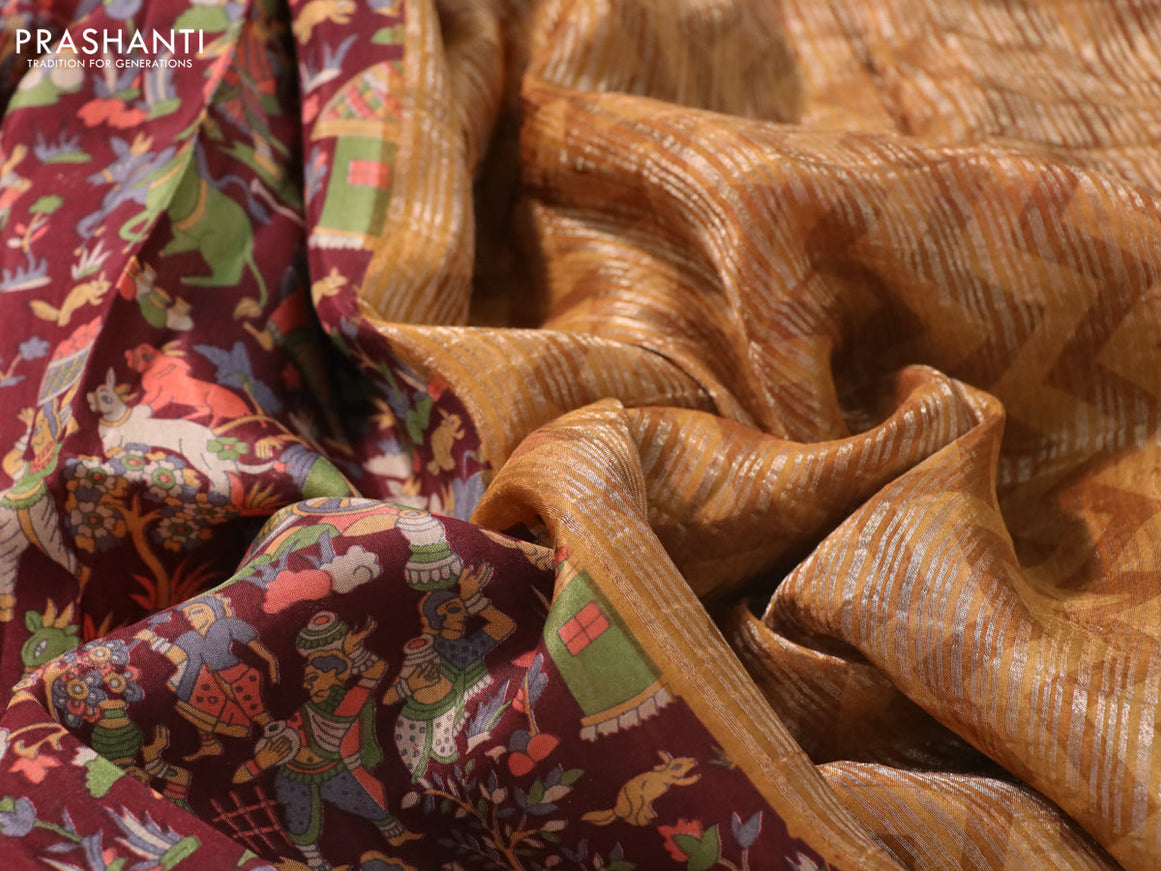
[(101, 656), (63, 147), (690, 828), (132, 462), (88, 479), (525, 750), (76, 696), (150, 841), (111, 660), (111, 111), (35, 769), (234, 370), (96, 524), (123, 684), (17, 817), (168, 479), (34, 348), (211, 508), (746, 833), (105, 655), (227, 447), (180, 531)]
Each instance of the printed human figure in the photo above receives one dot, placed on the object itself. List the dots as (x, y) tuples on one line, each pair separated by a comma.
[(216, 691), (444, 668), (325, 752), (28, 514)]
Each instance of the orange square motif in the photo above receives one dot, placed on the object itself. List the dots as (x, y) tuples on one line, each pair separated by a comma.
[(582, 629)]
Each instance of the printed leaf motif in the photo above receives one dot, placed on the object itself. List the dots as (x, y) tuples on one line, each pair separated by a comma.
[(704, 852), (179, 852), (46, 205), (100, 775)]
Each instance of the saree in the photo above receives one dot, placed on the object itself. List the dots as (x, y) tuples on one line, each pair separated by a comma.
[(596, 434)]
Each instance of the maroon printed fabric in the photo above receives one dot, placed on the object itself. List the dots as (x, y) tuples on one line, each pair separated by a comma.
[(405, 406), (358, 684), (281, 725)]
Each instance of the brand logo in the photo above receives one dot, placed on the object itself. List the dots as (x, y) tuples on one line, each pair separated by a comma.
[(104, 48)]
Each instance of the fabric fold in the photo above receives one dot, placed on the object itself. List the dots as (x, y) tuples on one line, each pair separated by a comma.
[(598, 434)]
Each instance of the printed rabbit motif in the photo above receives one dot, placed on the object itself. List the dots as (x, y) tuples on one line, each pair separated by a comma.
[(635, 800)]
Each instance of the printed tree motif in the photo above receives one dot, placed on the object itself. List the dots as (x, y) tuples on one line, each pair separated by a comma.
[(150, 498), (503, 826)]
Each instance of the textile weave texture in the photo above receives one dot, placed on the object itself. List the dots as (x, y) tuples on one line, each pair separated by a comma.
[(580, 434)]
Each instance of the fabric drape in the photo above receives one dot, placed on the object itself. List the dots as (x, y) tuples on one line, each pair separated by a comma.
[(604, 434)]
